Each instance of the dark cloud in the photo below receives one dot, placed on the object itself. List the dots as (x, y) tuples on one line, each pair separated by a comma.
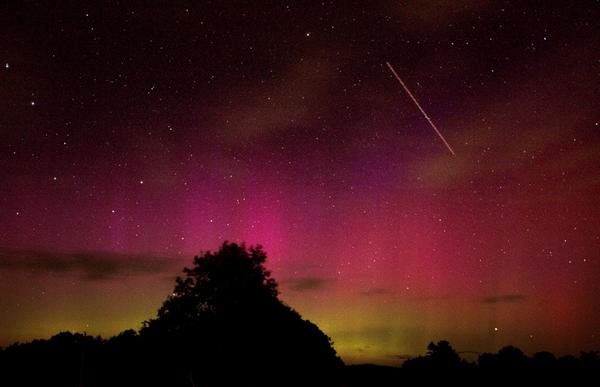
[(400, 356), (468, 352), (503, 298), (305, 283), (93, 266), (373, 334), (375, 292)]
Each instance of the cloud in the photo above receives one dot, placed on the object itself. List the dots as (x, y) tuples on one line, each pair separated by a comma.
[(508, 298), (94, 266), (273, 108), (305, 283), (426, 15), (375, 292), (401, 356), (468, 352)]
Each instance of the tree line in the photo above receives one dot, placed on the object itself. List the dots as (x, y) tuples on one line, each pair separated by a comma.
[(224, 325)]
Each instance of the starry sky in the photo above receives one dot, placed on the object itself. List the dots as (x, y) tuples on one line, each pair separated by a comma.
[(135, 136)]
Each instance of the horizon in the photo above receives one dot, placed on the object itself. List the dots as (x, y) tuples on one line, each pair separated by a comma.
[(133, 138), (397, 360)]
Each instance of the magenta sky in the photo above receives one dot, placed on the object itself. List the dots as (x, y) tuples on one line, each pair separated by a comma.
[(132, 139)]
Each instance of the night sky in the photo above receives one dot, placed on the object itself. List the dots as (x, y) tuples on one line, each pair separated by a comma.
[(134, 137)]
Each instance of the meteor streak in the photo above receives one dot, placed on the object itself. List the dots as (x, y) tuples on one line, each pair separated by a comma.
[(420, 108)]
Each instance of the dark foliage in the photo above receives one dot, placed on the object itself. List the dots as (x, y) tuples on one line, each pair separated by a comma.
[(440, 362), (510, 366), (222, 325), (224, 315)]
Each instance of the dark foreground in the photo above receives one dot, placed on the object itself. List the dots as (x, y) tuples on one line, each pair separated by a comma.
[(80, 360), (224, 325)]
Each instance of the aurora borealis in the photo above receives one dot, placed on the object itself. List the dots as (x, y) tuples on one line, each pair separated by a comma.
[(133, 137)]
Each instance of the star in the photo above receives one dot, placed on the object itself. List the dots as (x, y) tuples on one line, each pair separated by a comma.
[(310, 148)]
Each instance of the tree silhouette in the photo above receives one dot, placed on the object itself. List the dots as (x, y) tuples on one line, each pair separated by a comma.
[(224, 314), (229, 283), (441, 363), (224, 325), (442, 355)]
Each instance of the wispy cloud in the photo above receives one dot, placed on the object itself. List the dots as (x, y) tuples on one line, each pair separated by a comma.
[(305, 283), (400, 356), (94, 266), (508, 298), (375, 292)]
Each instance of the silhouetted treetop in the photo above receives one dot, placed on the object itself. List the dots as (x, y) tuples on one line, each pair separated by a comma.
[(443, 353), (227, 281), (225, 311)]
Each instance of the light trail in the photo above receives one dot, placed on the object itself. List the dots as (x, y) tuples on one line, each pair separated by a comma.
[(420, 108)]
